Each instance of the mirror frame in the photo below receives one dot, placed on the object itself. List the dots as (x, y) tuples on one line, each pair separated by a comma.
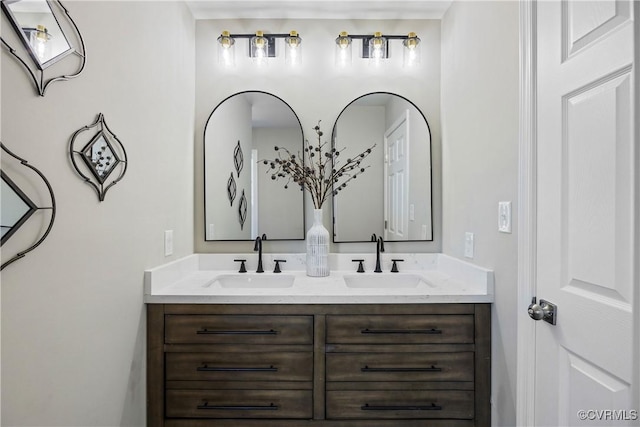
[(333, 136), (23, 37), (37, 70), (34, 208), (204, 168)]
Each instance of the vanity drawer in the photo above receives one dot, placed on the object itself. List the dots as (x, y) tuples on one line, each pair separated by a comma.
[(401, 329), (400, 366), (400, 404), (238, 329), (269, 366), (239, 404)]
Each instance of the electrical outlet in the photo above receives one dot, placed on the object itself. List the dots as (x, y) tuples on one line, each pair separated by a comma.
[(504, 217), (168, 242), (468, 245)]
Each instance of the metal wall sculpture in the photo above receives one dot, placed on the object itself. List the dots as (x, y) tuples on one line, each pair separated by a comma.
[(17, 207), (48, 35), (103, 156)]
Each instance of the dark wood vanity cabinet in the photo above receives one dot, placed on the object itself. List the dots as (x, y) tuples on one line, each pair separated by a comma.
[(345, 365)]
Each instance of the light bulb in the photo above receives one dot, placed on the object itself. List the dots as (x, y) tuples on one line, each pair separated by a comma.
[(343, 50), (293, 49), (226, 50), (259, 48), (377, 48), (411, 54)]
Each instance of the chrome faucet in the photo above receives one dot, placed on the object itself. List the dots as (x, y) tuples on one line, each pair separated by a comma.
[(258, 247), (379, 248)]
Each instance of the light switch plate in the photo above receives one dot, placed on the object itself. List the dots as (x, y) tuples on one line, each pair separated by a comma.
[(504, 217), (168, 242), (468, 245)]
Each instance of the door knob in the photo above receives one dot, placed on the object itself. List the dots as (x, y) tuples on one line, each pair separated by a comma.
[(544, 311)]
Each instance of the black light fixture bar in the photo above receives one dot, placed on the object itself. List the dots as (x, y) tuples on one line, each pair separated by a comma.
[(365, 42), (270, 37)]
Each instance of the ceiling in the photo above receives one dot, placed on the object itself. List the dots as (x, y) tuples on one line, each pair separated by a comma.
[(318, 9)]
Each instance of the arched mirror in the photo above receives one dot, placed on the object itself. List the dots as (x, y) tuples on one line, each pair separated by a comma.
[(241, 200), (393, 198)]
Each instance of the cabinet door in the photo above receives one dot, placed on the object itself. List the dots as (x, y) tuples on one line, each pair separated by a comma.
[(238, 329), (268, 366), (394, 329), (400, 366), (400, 404), (239, 404)]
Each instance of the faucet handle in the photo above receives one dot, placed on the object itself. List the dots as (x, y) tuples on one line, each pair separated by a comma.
[(277, 267), (243, 268), (394, 267), (360, 265)]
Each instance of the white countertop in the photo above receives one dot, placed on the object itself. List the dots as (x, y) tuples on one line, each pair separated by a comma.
[(195, 279)]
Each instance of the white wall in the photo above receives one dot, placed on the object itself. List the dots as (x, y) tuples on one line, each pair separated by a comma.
[(360, 127), (480, 163), (317, 91), (73, 321), (280, 209)]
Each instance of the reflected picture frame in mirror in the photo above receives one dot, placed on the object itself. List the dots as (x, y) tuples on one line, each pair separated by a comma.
[(398, 186), (251, 123)]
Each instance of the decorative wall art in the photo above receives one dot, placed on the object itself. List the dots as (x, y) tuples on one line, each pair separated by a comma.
[(47, 35), (102, 157), (242, 210), (231, 189), (17, 203), (238, 158)]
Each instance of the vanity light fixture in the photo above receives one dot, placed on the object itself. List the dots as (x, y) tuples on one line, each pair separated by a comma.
[(39, 37), (261, 47), (376, 48), (343, 50), (293, 49)]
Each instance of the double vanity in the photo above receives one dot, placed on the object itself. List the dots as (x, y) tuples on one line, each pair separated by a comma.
[(283, 349)]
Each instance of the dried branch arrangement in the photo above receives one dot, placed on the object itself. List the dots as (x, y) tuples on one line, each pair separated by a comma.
[(318, 169)]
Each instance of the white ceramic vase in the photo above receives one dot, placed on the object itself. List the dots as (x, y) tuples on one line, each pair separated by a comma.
[(317, 247)]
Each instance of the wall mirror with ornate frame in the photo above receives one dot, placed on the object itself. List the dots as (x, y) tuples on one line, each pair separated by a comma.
[(393, 198), (48, 34), (241, 201)]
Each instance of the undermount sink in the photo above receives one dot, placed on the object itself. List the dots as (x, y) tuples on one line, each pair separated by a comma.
[(253, 281), (384, 281)]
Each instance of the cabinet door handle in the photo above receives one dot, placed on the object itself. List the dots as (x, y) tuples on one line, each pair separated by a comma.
[(206, 368), (270, 407), (210, 331), (431, 331), (432, 407), (431, 369)]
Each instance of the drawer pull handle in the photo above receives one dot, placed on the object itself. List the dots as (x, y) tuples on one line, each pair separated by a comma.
[(207, 331), (432, 331), (431, 369), (432, 407), (206, 405), (206, 368)]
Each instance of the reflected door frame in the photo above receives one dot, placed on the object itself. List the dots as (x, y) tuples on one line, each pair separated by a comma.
[(396, 206)]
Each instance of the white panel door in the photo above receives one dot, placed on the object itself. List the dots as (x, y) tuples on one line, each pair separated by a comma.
[(396, 196), (585, 217)]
